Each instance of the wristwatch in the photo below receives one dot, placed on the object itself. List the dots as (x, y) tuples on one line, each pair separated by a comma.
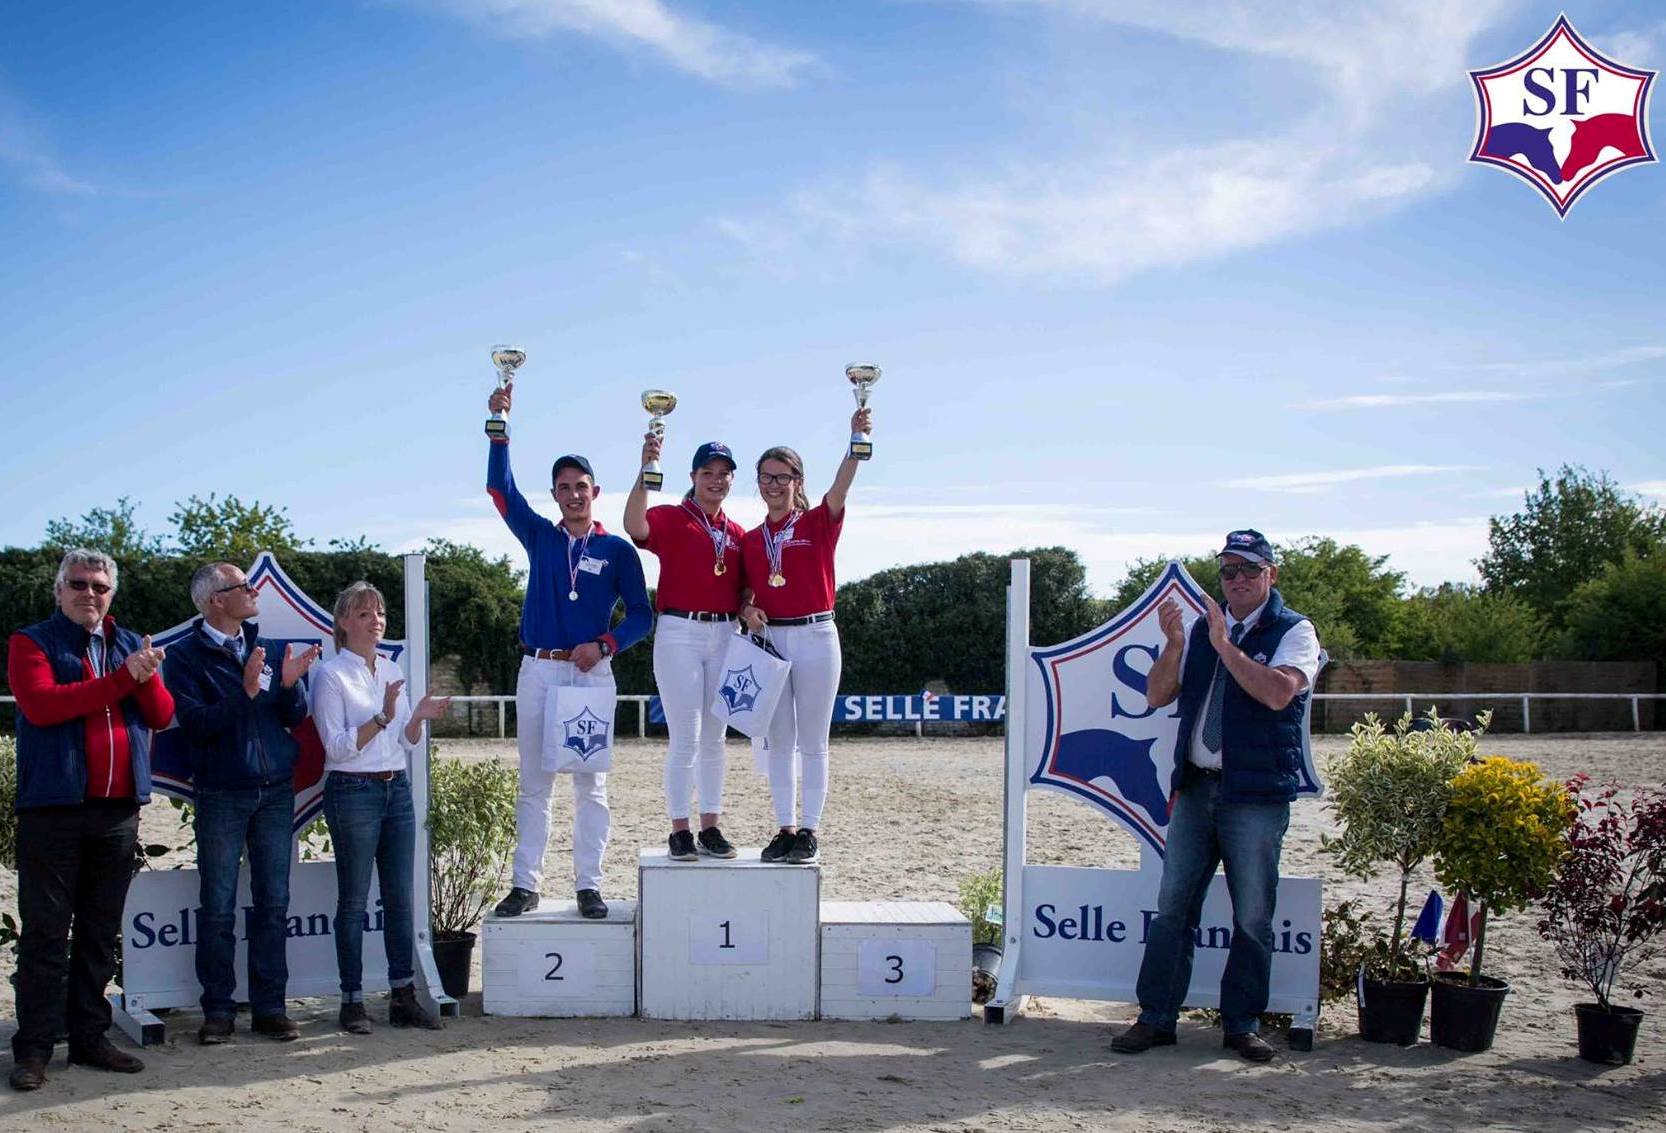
[(381, 720), (601, 643)]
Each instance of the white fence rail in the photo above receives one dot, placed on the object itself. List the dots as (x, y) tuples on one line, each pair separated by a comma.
[(1411, 700)]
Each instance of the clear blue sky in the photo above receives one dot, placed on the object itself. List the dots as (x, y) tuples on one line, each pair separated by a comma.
[(1137, 272)]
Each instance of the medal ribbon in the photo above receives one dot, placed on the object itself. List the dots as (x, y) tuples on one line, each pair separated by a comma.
[(718, 533), (775, 542), (572, 565)]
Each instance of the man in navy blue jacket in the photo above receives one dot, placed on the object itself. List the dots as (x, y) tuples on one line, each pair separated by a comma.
[(235, 712), (1243, 677), (579, 573)]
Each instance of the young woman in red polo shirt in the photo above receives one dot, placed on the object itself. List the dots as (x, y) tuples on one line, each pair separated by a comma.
[(789, 570), (698, 598)]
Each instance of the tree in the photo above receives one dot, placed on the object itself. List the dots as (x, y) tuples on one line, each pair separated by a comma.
[(1144, 572), (1454, 622), (113, 530), (1621, 615), (1568, 530), (946, 621), (232, 530)]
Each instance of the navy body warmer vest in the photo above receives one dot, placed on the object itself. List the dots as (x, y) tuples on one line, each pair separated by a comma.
[(52, 761), (1261, 750)]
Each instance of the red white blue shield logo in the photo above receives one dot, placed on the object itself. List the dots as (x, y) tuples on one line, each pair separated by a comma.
[(1100, 740), (1562, 116)]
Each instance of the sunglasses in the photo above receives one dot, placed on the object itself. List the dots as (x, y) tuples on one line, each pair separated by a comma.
[(1248, 570), (99, 588), (779, 479), (246, 587)]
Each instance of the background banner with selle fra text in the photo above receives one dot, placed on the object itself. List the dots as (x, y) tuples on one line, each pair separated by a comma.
[(1078, 722), (159, 923)]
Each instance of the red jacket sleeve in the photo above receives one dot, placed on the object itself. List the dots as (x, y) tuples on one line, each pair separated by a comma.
[(156, 703), (46, 702)]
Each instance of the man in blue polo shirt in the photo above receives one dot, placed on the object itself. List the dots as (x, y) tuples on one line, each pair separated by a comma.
[(1243, 676), (578, 574)]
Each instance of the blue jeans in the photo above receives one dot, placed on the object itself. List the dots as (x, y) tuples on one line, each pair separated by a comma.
[(1204, 832), (226, 820), (371, 822)]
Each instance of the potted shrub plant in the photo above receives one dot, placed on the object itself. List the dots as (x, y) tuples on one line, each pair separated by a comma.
[(1607, 909), (980, 895), (471, 835), (1501, 843), (1390, 789)]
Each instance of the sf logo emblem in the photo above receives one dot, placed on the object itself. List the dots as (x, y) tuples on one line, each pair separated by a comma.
[(586, 734), (1562, 117), (740, 690)]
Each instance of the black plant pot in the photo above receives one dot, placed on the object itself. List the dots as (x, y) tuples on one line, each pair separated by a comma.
[(453, 956), (1462, 1017), (1392, 1011), (1607, 1037), (986, 966)]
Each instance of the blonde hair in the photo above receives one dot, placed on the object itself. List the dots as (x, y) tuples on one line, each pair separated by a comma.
[(359, 594), (795, 464)]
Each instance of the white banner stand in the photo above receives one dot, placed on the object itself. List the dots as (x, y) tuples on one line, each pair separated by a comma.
[(1078, 932), (158, 922)]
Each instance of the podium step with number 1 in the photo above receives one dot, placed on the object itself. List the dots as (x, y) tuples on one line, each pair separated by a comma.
[(727, 939)]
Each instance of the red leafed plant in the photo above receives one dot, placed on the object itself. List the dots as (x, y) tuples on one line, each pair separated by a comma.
[(1607, 908)]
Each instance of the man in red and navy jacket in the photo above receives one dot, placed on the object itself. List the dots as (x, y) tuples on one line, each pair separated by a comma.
[(579, 574), (88, 696)]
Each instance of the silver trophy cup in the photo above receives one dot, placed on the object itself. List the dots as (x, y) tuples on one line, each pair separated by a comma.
[(862, 377), (507, 359), (658, 402)]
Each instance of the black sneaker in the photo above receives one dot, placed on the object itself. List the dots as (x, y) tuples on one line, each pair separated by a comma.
[(519, 901), (713, 842), (804, 848), (591, 906), (682, 846), (779, 847)]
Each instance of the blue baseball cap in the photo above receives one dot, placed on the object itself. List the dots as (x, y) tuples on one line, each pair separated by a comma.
[(1248, 544), (571, 460), (710, 451)]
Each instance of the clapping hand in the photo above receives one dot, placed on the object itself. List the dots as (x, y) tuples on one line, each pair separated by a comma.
[(252, 668), (431, 708), (294, 668), (1169, 618), (1217, 623), (143, 662), (390, 697)]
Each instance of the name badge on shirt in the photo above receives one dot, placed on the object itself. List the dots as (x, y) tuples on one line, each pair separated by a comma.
[(265, 678), (591, 566)]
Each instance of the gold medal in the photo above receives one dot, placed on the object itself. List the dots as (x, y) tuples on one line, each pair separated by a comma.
[(718, 568), (777, 579)]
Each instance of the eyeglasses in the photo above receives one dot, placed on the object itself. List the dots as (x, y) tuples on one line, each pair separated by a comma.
[(99, 588), (244, 586), (1248, 570), (778, 479)]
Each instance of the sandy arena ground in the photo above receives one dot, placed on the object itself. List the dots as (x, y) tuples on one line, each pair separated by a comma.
[(907, 819)]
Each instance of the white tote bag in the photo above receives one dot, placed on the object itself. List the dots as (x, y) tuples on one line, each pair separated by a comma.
[(754, 676), (578, 728)]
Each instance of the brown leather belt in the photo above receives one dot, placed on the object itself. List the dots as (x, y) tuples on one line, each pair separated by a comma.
[(383, 776), (548, 654)]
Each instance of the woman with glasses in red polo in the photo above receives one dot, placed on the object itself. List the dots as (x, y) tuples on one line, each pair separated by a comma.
[(698, 597), (789, 570)]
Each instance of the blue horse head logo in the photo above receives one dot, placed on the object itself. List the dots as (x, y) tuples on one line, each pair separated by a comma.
[(740, 690), (586, 734)]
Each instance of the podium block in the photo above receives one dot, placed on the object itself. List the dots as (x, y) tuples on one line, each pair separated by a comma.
[(553, 962), (908, 959), (726, 939)]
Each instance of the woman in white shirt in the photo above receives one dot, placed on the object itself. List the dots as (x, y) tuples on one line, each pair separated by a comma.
[(369, 729)]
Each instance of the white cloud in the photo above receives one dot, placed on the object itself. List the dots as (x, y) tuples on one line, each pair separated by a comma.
[(1633, 47), (690, 44), (1653, 488), (28, 156), (1106, 218), (1397, 400), (1593, 363), (1316, 481)]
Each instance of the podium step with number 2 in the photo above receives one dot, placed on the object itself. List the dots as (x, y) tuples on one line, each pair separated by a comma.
[(727, 939), (554, 963)]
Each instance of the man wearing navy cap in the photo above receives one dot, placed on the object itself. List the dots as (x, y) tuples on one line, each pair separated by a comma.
[(578, 574), (1243, 677)]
